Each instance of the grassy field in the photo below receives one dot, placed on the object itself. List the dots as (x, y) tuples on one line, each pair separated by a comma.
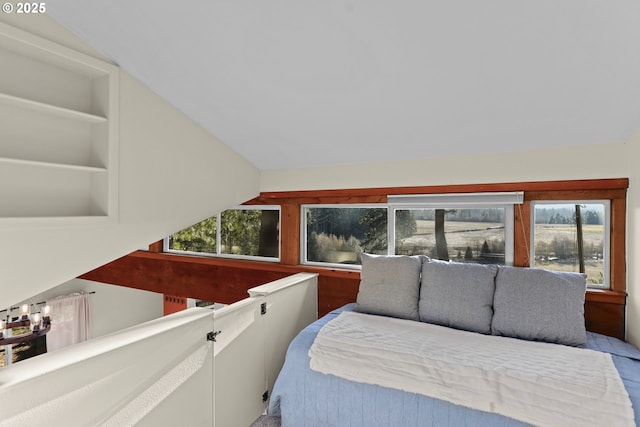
[(593, 268), (593, 236), (460, 234), (590, 233)]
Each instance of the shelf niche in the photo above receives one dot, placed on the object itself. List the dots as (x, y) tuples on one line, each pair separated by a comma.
[(58, 127)]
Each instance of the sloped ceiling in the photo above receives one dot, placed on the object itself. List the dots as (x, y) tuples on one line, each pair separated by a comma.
[(296, 83)]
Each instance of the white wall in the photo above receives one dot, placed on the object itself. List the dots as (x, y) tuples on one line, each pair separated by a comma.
[(171, 175), (584, 162), (113, 308), (633, 242)]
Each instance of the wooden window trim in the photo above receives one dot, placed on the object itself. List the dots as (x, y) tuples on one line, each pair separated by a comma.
[(614, 189), (617, 196), (379, 194)]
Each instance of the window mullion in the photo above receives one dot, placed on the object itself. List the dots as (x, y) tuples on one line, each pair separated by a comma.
[(391, 230)]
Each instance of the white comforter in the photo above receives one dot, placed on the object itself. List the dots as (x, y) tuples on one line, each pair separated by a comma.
[(538, 383)]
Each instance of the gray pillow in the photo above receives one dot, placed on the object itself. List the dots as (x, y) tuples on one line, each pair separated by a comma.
[(540, 305), (390, 285), (458, 295)]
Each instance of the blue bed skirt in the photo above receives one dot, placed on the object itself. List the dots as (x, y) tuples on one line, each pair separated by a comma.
[(305, 398)]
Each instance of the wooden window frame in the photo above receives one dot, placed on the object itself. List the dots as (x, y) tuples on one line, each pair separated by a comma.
[(613, 189)]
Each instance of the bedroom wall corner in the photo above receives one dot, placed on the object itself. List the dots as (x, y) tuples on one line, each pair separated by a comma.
[(633, 242)]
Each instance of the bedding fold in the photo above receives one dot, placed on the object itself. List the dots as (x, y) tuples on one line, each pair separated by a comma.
[(537, 383)]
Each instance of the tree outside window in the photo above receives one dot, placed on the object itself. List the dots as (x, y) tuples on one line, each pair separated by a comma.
[(246, 232), (572, 236), (339, 235)]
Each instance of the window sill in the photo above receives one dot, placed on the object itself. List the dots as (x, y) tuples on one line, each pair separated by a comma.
[(606, 296)]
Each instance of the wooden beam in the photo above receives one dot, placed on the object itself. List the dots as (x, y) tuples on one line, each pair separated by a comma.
[(378, 194)]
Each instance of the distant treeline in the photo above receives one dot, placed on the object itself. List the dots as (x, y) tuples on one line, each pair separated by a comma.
[(567, 216), (467, 215)]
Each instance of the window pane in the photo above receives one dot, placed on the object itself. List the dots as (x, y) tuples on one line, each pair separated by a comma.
[(461, 235), (200, 237), (340, 235), (243, 232), (557, 239), (250, 232)]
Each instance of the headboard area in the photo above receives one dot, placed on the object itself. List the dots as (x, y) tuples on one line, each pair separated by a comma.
[(529, 303), (604, 312)]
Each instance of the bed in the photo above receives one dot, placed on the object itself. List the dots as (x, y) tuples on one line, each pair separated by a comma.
[(309, 393)]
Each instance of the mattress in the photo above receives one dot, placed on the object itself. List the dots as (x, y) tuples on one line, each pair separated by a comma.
[(303, 397)]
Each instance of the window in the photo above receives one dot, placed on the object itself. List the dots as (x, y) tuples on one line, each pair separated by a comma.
[(461, 235), (243, 232), (465, 227), (572, 236), (339, 234), (461, 227), (250, 232), (199, 238)]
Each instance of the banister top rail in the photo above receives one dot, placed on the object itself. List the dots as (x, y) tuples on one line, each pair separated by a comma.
[(49, 362), (277, 285)]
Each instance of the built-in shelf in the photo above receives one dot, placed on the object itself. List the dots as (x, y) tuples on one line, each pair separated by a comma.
[(38, 164), (54, 221), (50, 109), (58, 133)]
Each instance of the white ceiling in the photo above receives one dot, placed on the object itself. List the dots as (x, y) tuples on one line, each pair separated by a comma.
[(296, 83)]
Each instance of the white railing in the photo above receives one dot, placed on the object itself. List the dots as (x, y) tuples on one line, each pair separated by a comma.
[(166, 372)]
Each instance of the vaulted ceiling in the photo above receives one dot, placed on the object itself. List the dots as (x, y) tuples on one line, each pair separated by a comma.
[(297, 83)]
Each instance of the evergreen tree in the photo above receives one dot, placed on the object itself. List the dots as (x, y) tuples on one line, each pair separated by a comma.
[(200, 237), (375, 236), (468, 254), (485, 253)]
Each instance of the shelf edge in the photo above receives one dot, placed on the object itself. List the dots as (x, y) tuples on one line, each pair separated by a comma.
[(50, 109), (52, 165)]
